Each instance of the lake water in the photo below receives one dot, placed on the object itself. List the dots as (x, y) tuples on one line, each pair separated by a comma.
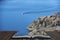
[(19, 14)]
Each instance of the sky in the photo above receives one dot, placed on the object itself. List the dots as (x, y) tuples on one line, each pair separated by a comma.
[(19, 14)]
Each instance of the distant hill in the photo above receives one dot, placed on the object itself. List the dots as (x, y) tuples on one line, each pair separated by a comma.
[(41, 24)]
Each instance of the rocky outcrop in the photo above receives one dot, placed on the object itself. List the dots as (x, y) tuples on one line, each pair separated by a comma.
[(44, 24)]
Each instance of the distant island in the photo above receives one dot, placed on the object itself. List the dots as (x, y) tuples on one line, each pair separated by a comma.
[(47, 23)]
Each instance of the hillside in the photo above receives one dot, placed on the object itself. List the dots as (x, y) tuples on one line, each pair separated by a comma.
[(45, 24)]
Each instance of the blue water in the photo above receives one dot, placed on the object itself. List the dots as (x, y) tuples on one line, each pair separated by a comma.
[(19, 14)]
